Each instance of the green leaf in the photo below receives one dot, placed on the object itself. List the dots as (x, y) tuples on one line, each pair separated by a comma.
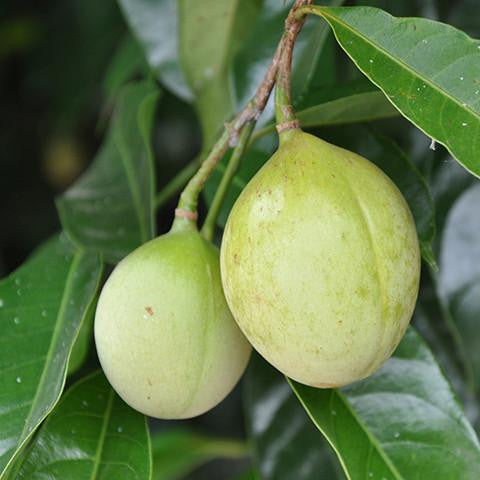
[(127, 61), (403, 422), (83, 341), (250, 474), (428, 70), (110, 208), (155, 24), (68, 63), (250, 164), (210, 33), (42, 306), (91, 434), (350, 108), (286, 444), (459, 276), (361, 107), (253, 59), (449, 181), (179, 451)]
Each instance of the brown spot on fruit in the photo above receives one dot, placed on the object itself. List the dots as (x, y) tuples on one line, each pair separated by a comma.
[(149, 310)]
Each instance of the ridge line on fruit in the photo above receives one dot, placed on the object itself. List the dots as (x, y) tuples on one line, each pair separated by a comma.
[(302, 250), (188, 352)]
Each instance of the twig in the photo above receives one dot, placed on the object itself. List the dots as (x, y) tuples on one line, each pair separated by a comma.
[(284, 113), (176, 183), (187, 206), (208, 227)]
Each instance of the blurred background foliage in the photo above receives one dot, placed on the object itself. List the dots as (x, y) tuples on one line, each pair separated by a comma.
[(61, 63)]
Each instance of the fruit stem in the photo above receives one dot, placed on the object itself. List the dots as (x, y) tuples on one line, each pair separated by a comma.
[(208, 228), (176, 183), (284, 113), (186, 212)]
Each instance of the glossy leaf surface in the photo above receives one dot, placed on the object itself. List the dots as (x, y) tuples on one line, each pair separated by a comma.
[(84, 339), (286, 444), (428, 70), (110, 208), (92, 434), (403, 422), (155, 24), (42, 306)]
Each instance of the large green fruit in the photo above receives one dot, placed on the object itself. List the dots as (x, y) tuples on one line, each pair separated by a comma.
[(165, 337), (320, 263)]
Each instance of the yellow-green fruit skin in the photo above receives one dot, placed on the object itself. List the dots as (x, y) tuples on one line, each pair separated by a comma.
[(165, 337), (320, 263)]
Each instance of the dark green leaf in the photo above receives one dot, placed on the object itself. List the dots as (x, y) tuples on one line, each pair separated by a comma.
[(428, 70), (459, 276), (253, 59), (76, 41), (92, 434), (250, 474), (357, 107), (448, 182), (210, 33), (110, 208), (83, 341), (127, 61), (155, 24), (177, 452), (42, 305), (403, 422), (286, 444), (361, 107)]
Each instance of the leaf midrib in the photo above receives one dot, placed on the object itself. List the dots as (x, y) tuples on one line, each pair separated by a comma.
[(134, 190), (56, 332), (373, 440), (102, 436), (330, 18)]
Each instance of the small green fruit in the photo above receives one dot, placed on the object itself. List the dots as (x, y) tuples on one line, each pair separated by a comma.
[(165, 337), (320, 263)]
